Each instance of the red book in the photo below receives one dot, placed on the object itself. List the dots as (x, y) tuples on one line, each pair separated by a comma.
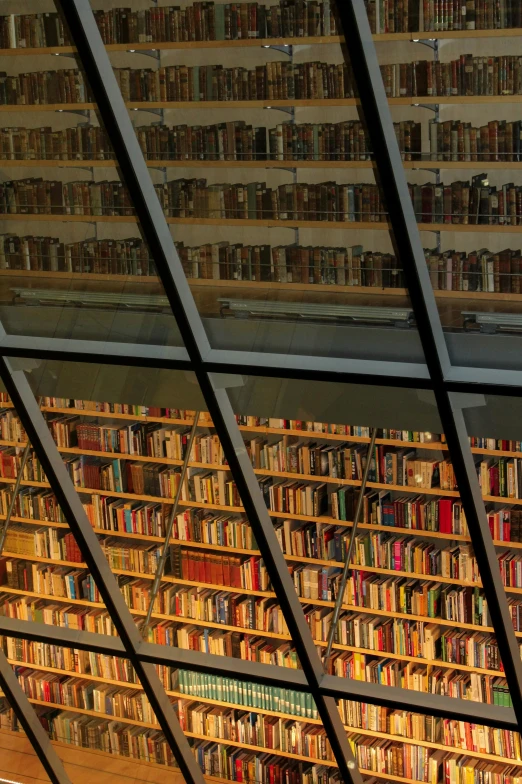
[(445, 515)]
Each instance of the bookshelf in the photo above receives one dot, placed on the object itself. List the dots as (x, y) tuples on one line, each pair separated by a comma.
[(182, 420), (476, 672)]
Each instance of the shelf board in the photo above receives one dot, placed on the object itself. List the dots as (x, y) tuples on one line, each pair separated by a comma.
[(267, 164), (263, 42), (273, 103), (270, 224), (150, 280)]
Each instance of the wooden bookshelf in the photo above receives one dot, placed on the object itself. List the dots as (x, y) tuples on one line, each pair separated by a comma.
[(178, 695), (497, 103)]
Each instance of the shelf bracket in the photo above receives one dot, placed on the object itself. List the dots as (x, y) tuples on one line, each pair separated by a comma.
[(286, 109), (431, 43), (79, 112), (432, 107), (157, 112), (283, 48), (65, 54), (154, 53)]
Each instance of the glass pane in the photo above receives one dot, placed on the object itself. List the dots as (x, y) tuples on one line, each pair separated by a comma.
[(73, 263), (43, 576), (268, 187), (90, 703), (413, 612)]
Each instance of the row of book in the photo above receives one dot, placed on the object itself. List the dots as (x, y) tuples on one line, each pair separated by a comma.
[(343, 461), (396, 16), (461, 202), (36, 88), (481, 270), (200, 21), (208, 21), (450, 140), (453, 140), (468, 75), (230, 141), (281, 80)]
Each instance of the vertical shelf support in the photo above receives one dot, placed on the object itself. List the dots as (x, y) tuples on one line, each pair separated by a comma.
[(170, 524)]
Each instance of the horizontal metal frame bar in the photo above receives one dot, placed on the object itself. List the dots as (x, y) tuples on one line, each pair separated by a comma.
[(419, 702), (487, 381), (268, 674), (107, 353)]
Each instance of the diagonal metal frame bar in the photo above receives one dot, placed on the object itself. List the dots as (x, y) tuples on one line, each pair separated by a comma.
[(349, 549), (136, 175), (170, 525), (39, 435), (390, 172)]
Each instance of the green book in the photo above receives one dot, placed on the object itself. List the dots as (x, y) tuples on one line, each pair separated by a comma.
[(195, 82), (219, 21)]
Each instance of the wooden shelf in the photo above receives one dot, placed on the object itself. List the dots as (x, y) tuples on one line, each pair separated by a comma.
[(267, 164), (272, 103), (266, 712), (263, 42), (272, 224), (151, 280)]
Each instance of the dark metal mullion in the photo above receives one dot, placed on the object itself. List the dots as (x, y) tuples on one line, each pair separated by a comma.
[(39, 435), (34, 730), (406, 236)]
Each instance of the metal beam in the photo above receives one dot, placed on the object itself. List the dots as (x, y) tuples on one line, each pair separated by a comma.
[(406, 237)]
